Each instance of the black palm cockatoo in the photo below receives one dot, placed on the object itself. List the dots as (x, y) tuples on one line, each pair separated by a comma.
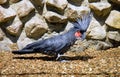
[(58, 45)]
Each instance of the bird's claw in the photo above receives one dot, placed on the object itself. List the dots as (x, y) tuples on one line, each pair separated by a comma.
[(60, 59)]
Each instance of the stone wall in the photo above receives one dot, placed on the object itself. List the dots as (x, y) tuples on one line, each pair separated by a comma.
[(26, 21)]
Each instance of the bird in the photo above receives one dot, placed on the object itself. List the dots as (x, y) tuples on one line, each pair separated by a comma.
[(57, 45)]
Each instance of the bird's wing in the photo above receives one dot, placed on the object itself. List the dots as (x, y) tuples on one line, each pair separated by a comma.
[(34, 44), (53, 44), (60, 46)]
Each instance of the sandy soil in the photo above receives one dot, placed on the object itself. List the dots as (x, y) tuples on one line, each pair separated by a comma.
[(89, 63)]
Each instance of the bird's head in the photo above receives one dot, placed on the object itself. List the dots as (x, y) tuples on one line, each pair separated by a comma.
[(81, 25)]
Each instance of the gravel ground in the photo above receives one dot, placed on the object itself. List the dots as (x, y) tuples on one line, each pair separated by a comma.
[(89, 63)]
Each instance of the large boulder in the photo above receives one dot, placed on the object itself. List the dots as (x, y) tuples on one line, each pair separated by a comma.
[(75, 2), (1, 35), (3, 1), (57, 27), (5, 42), (53, 17), (114, 19), (58, 5), (73, 12), (23, 40), (101, 8), (69, 26), (6, 14), (38, 2), (115, 1), (96, 31), (36, 27), (93, 0), (103, 45), (13, 1), (16, 27), (114, 35), (90, 44), (23, 8)]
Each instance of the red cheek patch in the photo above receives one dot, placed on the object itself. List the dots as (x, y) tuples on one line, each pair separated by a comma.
[(78, 34)]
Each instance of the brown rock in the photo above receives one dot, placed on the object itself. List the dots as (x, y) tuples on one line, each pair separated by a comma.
[(93, 0), (75, 2), (44, 10), (59, 5), (116, 1), (3, 1), (73, 12), (68, 26), (101, 8), (1, 34), (13, 1), (36, 27), (114, 19), (114, 35), (16, 27), (5, 42), (95, 30), (23, 8), (24, 40), (6, 14), (38, 2), (53, 17)]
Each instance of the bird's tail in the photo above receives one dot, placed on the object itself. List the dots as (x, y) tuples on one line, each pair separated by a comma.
[(23, 52)]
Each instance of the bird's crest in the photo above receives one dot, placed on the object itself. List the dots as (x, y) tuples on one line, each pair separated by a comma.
[(78, 34), (83, 23)]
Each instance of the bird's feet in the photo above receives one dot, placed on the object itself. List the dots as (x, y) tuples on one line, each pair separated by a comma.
[(59, 58)]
